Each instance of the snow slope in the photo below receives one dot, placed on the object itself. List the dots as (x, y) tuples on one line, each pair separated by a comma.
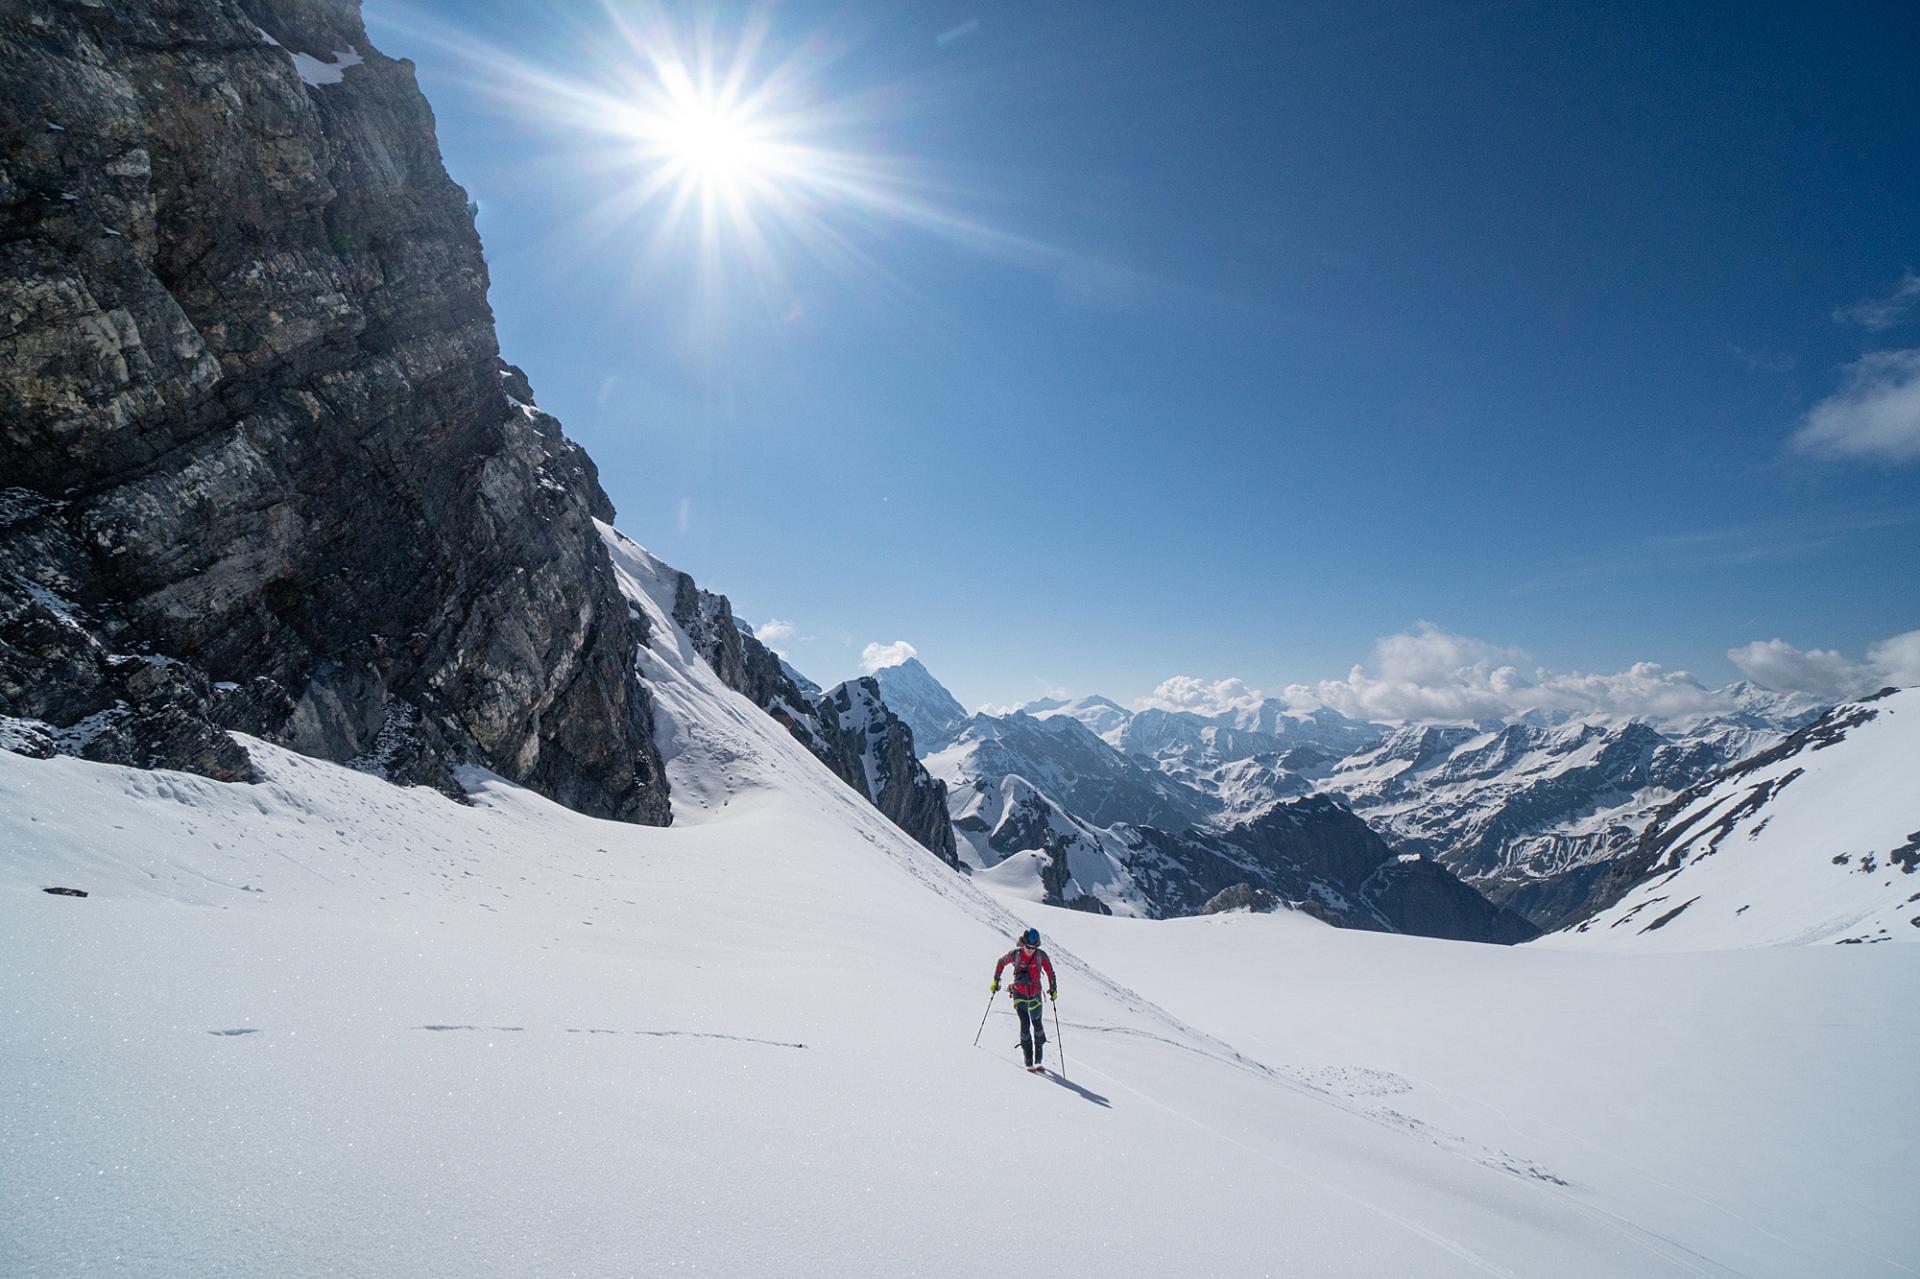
[(1817, 840), (321, 1024), (1721, 1111)]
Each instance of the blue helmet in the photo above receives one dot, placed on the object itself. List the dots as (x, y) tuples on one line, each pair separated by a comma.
[(1030, 938)]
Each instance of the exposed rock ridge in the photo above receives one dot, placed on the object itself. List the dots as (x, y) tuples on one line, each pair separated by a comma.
[(264, 469), (849, 728)]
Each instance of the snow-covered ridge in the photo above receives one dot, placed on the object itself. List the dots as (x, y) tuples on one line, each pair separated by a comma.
[(1816, 840)]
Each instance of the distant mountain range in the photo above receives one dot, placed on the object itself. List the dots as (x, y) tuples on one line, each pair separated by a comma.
[(1046, 806), (1143, 809)]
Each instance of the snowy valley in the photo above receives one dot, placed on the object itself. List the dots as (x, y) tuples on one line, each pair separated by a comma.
[(318, 1022)]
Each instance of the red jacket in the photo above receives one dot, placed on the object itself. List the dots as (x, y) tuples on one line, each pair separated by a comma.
[(1026, 972)]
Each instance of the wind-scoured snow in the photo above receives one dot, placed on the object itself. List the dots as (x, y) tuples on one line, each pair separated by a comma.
[(322, 1024)]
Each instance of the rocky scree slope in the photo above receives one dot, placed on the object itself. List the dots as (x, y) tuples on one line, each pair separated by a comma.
[(263, 468)]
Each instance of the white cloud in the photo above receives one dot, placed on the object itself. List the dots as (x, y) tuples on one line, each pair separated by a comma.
[(1875, 413), (775, 632), (1828, 674), (1186, 693), (1428, 674), (1432, 674), (1874, 314), (1897, 659), (876, 656)]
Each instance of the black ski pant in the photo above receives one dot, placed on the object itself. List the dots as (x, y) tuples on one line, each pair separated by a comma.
[(1033, 1028)]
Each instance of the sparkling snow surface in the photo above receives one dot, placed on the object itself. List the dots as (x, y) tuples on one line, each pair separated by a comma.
[(326, 1025)]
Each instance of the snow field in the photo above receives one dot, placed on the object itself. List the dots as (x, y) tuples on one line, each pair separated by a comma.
[(1730, 1109)]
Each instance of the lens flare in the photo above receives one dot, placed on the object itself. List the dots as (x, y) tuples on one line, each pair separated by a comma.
[(717, 146)]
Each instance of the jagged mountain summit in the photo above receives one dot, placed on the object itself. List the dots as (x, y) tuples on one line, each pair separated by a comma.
[(1192, 742), (913, 694), (1102, 715), (1815, 840)]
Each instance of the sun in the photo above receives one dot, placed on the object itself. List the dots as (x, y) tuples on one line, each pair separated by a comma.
[(705, 142), (714, 146), (737, 148)]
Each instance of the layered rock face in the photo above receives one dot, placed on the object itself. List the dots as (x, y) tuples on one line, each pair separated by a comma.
[(873, 749), (260, 465)]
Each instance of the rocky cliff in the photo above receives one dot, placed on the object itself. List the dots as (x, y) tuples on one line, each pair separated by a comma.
[(262, 467)]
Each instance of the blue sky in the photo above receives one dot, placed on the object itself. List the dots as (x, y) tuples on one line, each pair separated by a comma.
[(1224, 341)]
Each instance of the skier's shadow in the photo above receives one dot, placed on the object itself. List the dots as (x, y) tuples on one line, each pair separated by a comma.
[(1088, 1093)]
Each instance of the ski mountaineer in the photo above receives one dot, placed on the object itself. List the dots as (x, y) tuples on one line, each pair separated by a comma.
[(1028, 961)]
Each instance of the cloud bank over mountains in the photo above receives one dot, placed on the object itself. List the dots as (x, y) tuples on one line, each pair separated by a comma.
[(1429, 673), (1433, 674), (1827, 674)]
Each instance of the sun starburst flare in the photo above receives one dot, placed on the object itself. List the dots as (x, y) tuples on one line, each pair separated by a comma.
[(704, 148)]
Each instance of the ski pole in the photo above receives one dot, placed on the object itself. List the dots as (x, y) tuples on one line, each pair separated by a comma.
[(1062, 1050), (983, 1018)]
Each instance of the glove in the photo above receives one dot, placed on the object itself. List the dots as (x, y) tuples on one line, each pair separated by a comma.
[(1053, 995), (995, 988)]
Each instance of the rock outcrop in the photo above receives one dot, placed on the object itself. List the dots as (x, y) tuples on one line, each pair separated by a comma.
[(263, 468), (872, 748)]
